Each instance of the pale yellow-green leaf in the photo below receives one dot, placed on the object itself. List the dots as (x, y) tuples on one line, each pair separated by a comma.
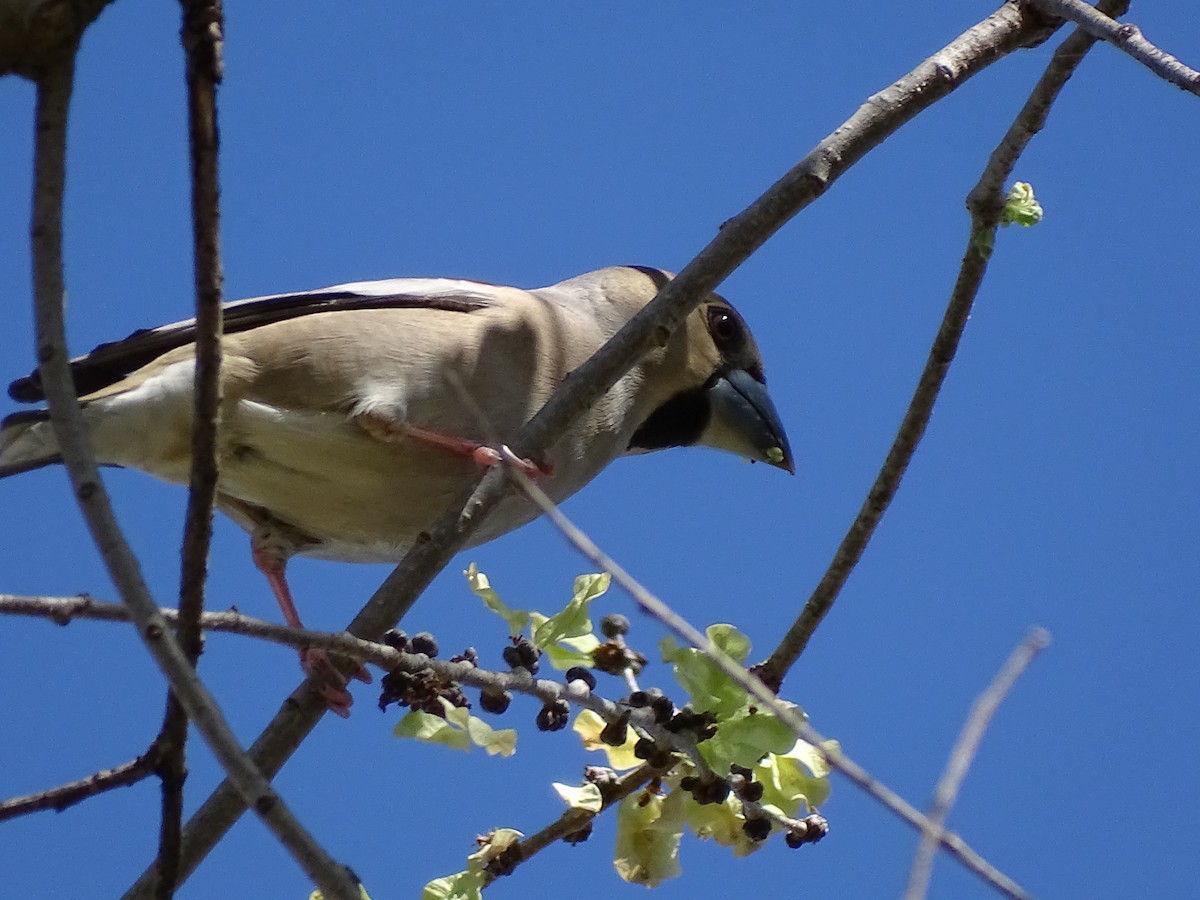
[(517, 619), (721, 822), (584, 796), (588, 726), (649, 828), (491, 846), (496, 741), (787, 782), (432, 729), (459, 886), (589, 587)]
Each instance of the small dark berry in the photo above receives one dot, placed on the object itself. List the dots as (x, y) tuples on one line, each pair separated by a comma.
[(644, 748), (511, 656), (494, 703), (424, 642), (663, 709), (582, 673), (758, 828), (753, 791), (614, 625), (795, 839), (397, 640), (615, 733), (741, 770)]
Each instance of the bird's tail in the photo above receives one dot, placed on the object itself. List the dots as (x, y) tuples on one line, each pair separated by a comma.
[(27, 442)]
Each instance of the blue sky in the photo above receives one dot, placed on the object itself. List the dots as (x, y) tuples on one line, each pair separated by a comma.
[(1057, 484)]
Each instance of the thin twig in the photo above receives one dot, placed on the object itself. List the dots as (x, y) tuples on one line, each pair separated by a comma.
[(66, 416), (63, 610), (985, 203), (1124, 36), (573, 820), (1007, 30), (964, 753), (66, 795), (753, 685), (202, 36)]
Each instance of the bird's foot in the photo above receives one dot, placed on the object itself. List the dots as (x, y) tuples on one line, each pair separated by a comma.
[(488, 457), (331, 684)]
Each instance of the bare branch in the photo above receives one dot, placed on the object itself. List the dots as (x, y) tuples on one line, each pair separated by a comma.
[(754, 686), (1008, 29), (202, 36), (67, 795), (53, 100), (964, 753), (573, 821), (985, 203), (1124, 36)]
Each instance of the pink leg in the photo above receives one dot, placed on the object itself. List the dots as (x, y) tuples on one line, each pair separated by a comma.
[(272, 562), (386, 429)]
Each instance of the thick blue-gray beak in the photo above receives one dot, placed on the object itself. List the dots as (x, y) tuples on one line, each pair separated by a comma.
[(744, 421)]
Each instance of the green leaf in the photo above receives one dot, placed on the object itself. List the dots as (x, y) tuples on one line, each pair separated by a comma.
[(709, 688), (572, 652), (745, 739), (649, 829), (1021, 207), (584, 796), (572, 621), (458, 730), (431, 729), (517, 619), (496, 741), (796, 778)]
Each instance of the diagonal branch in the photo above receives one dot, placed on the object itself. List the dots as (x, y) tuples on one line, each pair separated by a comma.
[(756, 688), (964, 753), (1005, 31), (53, 100), (1124, 36), (985, 203)]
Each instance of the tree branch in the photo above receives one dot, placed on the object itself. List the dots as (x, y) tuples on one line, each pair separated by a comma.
[(1124, 36), (985, 203), (67, 795), (1008, 29), (53, 99), (202, 36), (964, 753), (756, 688)]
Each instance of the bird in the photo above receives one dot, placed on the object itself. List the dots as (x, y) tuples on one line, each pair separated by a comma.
[(345, 422)]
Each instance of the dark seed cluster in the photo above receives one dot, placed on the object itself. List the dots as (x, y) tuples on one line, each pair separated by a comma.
[(705, 790), (701, 725), (521, 654), (554, 716), (658, 702)]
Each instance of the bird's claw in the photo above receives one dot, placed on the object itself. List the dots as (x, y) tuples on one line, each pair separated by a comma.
[(331, 684)]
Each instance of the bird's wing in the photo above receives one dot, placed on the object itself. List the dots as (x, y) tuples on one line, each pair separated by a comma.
[(111, 362)]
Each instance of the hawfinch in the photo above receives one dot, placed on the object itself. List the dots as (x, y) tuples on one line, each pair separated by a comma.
[(344, 431)]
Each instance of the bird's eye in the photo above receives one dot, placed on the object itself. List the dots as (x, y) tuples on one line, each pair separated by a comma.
[(725, 328)]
